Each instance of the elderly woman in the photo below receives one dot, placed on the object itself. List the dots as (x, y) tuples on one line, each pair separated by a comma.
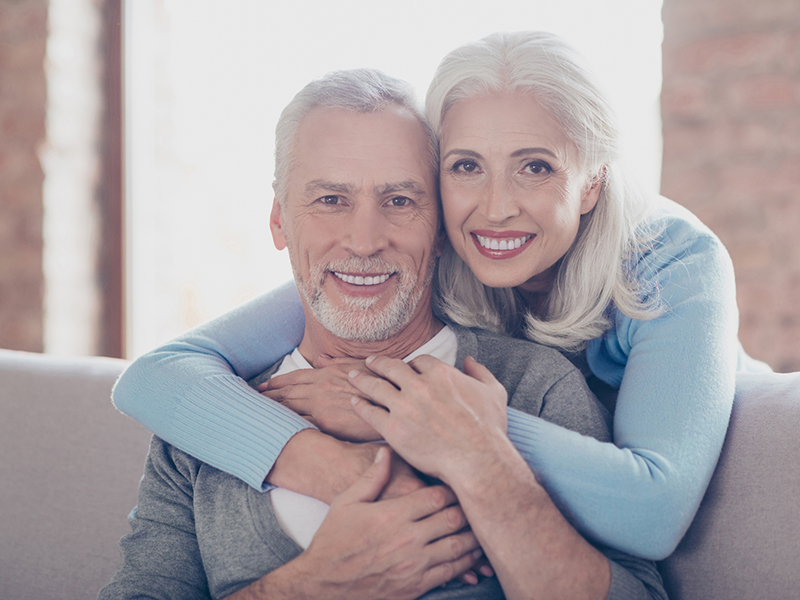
[(548, 240)]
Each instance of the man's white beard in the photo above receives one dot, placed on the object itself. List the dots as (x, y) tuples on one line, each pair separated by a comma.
[(358, 320)]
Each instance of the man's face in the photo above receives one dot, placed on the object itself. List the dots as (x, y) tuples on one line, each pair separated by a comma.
[(360, 221)]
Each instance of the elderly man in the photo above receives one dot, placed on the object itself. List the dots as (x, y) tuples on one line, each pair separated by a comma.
[(357, 209)]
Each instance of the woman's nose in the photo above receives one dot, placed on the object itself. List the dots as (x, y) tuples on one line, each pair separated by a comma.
[(499, 203)]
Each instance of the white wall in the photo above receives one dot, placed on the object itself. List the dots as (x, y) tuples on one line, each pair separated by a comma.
[(207, 80), (71, 164)]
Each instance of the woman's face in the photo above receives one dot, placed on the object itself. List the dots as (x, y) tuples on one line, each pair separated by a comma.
[(512, 189)]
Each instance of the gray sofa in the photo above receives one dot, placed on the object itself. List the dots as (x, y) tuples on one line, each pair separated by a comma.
[(71, 464)]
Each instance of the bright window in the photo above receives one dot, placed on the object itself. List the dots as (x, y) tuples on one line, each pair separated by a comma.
[(206, 81)]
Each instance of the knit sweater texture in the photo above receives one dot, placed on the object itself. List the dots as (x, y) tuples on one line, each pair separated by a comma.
[(675, 377), (201, 533)]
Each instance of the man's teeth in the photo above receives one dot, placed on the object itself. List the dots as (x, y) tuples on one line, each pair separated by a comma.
[(359, 280), (508, 244)]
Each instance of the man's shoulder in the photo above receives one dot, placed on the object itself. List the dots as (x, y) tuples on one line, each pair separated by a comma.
[(171, 465), (540, 381), (502, 352), (170, 462)]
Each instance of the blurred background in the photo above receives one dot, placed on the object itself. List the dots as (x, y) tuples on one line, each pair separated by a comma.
[(136, 141)]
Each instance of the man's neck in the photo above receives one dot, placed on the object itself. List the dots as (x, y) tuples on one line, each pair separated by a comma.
[(318, 341)]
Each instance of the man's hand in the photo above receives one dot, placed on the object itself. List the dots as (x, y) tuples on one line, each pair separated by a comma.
[(322, 395), (403, 479), (318, 474), (365, 549), (315, 464)]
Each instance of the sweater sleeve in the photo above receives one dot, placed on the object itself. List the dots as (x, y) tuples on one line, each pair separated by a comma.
[(633, 578), (192, 393), (570, 404), (160, 557), (640, 494)]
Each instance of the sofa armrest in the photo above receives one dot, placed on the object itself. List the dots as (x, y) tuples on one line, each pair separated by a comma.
[(69, 475), (745, 540)]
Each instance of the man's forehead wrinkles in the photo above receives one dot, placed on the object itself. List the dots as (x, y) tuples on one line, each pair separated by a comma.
[(330, 186), (409, 186)]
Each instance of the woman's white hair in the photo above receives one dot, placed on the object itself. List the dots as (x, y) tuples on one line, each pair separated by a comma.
[(357, 90), (596, 271)]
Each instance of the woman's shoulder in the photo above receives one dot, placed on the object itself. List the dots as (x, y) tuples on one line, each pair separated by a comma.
[(672, 234), (670, 223)]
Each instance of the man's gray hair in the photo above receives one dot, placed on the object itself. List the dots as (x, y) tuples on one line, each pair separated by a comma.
[(357, 90)]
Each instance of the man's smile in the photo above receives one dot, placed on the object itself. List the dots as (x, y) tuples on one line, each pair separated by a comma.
[(363, 279)]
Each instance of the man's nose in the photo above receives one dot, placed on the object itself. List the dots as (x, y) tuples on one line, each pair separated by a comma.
[(499, 203), (367, 231)]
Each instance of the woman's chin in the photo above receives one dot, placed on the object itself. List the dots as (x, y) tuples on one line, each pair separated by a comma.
[(509, 276), (496, 278)]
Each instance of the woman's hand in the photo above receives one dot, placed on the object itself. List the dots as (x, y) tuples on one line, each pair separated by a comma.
[(439, 419), (322, 396), (453, 425)]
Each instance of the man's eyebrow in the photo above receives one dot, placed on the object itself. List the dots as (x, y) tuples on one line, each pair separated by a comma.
[(323, 185), (409, 186)]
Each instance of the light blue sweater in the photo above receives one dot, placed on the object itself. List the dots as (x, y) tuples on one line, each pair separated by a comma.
[(638, 495)]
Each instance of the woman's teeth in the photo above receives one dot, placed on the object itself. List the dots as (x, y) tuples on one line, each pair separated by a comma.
[(508, 244), (359, 280)]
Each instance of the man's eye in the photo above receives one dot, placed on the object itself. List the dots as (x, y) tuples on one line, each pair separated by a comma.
[(400, 201), (464, 166), (330, 200)]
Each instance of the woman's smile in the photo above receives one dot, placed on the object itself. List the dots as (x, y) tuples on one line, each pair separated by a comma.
[(501, 245)]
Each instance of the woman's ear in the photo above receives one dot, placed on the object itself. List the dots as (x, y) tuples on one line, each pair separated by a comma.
[(276, 225), (592, 193)]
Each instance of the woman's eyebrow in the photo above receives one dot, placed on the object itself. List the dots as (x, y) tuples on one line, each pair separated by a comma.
[(515, 154), (525, 151), (462, 152)]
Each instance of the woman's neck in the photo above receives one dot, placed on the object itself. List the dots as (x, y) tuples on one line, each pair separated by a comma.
[(535, 292)]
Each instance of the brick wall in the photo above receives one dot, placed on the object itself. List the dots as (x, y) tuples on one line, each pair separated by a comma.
[(23, 39), (731, 116)]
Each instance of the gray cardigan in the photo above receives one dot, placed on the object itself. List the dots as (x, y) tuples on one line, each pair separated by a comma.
[(201, 533)]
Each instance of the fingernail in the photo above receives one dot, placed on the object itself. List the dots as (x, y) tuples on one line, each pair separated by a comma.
[(353, 373), (353, 400), (486, 571), (370, 359), (477, 553), (471, 578), (379, 454)]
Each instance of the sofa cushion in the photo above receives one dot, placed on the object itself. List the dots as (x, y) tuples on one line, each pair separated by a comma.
[(744, 543), (70, 469)]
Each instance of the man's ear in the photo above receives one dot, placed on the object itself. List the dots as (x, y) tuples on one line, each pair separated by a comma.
[(592, 193), (276, 225)]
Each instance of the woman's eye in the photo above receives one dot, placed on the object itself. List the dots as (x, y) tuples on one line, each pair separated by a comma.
[(400, 201), (538, 168), (464, 166)]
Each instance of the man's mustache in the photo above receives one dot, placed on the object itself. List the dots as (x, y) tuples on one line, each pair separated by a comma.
[(359, 265)]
